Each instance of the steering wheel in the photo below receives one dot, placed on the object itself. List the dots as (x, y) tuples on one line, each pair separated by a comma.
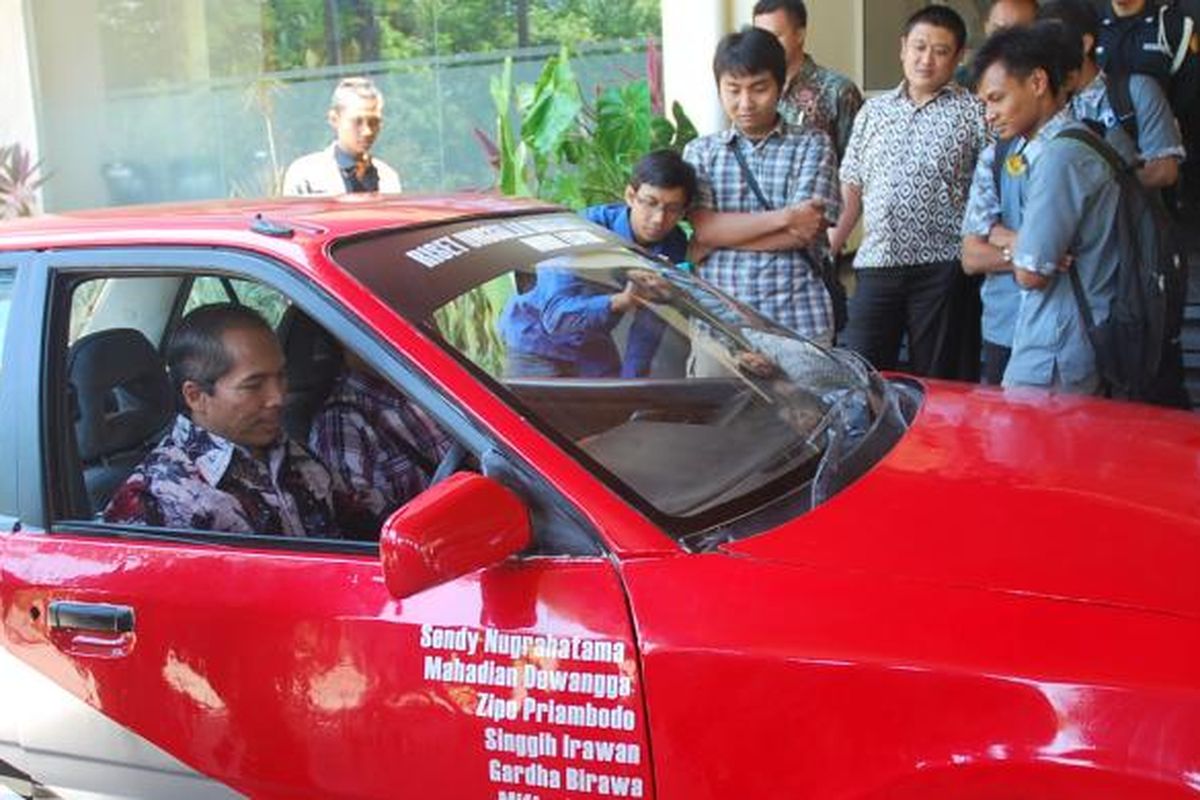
[(450, 463)]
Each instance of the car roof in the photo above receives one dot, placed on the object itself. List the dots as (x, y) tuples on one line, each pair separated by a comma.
[(305, 220)]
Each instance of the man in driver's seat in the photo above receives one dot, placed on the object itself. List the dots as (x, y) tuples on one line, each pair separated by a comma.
[(227, 464)]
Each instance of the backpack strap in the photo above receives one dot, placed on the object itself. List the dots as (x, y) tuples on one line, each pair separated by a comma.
[(1103, 149), (1096, 142), (1121, 99), (1183, 48)]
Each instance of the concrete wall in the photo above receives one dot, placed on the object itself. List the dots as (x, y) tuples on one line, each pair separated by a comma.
[(692, 28)]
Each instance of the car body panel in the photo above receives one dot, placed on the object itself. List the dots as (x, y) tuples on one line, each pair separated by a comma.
[(1024, 493), (866, 682), (283, 674), (50, 732)]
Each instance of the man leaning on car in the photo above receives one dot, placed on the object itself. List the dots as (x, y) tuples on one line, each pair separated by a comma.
[(227, 465)]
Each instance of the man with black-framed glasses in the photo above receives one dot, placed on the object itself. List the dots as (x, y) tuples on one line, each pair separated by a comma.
[(575, 338), (659, 193)]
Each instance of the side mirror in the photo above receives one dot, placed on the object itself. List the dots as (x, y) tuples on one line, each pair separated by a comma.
[(460, 525)]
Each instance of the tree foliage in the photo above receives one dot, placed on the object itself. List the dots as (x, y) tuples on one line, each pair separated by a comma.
[(315, 33)]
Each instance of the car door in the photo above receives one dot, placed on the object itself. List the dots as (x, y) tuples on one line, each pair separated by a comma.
[(283, 668)]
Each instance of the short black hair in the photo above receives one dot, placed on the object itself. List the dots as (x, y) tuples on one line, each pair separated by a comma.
[(794, 8), (1079, 16), (940, 16), (749, 52), (1022, 51), (1067, 43), (196, 350), (665, 169)]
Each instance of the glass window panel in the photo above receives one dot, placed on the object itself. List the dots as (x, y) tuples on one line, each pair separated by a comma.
[(196, 99)]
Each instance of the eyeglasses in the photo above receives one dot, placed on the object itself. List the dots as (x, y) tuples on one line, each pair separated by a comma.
[(651, 204)]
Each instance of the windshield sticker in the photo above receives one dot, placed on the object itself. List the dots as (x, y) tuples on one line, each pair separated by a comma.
[(543, 235), (550, 242), (557, 713)]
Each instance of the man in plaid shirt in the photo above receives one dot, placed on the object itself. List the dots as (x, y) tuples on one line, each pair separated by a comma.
[(383, 448), (764, 254)]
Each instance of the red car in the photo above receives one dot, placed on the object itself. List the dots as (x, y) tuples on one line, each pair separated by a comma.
[(753, 568)]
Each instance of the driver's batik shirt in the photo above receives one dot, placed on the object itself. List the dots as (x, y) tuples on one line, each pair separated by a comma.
[(197, 480)]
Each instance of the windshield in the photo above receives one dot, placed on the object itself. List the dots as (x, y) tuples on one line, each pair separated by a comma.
[(690, 403)]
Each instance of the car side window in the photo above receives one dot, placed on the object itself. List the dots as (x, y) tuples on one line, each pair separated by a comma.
[(356, 445), (207, 289)]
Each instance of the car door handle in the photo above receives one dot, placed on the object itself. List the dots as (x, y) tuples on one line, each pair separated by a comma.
[(99, 617)]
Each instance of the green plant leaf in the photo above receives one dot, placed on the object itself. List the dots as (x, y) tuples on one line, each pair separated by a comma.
[(554, 107), (685, 131)]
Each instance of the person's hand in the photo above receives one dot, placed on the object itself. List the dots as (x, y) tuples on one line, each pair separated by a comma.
[(756, 364), (1065, 264), (1028, 279), (1001, 237), (649, 286), (624, 300), (805, 221)]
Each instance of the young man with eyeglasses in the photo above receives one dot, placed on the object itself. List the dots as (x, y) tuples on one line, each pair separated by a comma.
[(658, 195), (562, 325)]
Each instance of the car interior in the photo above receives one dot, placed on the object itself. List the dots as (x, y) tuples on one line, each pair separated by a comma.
[(120, 402)]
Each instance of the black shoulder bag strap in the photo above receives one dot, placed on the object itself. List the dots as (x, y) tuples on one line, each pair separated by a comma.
[(749, 176), (824, 268)]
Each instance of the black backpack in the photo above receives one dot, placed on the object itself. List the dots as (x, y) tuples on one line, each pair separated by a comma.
[(1163, 42), (1147, 308)]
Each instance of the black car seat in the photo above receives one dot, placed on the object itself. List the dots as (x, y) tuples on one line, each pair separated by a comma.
[(123, 403), (314, 359)]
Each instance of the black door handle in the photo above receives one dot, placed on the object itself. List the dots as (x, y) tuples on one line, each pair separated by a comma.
[(100, 617)]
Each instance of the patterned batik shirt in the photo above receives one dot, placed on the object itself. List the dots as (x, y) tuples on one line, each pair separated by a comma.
[(198, 480), (382, 448), (913, 165), (791, 165), (823, 99)]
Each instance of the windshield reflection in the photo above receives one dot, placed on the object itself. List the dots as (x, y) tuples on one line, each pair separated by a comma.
[(689, 399)]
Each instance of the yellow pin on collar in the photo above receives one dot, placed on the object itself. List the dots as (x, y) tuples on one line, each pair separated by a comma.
[(1016, 165)]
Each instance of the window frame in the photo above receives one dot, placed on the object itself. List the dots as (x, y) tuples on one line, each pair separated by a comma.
[(65, 269), (14, 380)]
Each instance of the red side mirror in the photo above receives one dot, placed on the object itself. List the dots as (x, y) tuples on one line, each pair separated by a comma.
[(463, 524)]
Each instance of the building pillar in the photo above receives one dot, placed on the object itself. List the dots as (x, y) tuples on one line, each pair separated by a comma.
[(691, 30), (65, 40), (18, 123)]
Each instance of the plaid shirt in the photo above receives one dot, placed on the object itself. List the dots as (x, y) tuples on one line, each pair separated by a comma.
[(382, 447), (791, 165), (823, 99), (197, 480), (914, 166)]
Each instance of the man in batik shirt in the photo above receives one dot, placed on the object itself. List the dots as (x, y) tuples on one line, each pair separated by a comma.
[(813, 95), (227, 464), (383, 448)]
